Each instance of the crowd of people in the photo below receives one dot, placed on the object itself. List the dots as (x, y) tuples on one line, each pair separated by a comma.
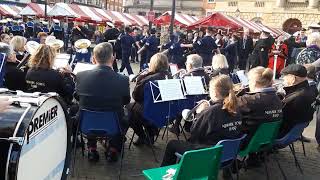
[(229, 113)]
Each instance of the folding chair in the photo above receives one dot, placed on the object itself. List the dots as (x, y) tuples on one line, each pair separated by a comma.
[(196, 164), (288, 140), (100, 124), (230, 151), (262, 141)]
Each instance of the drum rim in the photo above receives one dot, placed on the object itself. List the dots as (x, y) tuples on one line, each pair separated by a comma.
[(68, 150)]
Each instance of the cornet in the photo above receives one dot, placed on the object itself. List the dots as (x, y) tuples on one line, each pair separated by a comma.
[(188, 115)]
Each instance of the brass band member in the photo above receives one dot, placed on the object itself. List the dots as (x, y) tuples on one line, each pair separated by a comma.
[(5, 38), (261, 104), (219, 65), (18, 43), (221, 120), (158, 70), (41, 77)]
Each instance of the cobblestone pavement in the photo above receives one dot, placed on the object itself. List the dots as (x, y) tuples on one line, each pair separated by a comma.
[(137, 159)]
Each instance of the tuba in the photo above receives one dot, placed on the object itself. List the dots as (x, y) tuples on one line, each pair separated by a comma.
[(82, 45)]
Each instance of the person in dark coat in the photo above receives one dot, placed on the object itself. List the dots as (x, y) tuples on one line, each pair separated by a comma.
[(126, 41), (176, 52), (245, 49), (41, 77), (79, 32), (102, 89), (110, 35), (14, 78), (261, 103), (216, 120), (297, 103), (231, 52), (259, 56), (151, 45), (158, 70)]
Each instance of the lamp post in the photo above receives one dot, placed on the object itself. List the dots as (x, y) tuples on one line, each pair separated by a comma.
[(45, 9), (151, 10), (173, 13)]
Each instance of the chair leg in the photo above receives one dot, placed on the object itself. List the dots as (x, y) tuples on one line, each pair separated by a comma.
[(293, 151), (304, 150), (164, 132), (151, 145), (281, 170), (157, 135), (74, 151), (121, 160), (82, 144), (230, 171), (131, 140)]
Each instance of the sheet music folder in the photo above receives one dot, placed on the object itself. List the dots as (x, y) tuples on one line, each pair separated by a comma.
[(166, 90)]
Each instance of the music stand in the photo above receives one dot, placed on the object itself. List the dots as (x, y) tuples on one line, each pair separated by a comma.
[(2, 68)]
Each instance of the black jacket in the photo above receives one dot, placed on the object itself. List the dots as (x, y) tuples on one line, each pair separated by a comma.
[(14, 78), (259, 56), (297, 106), (102, 89), (76, 34), (231, 53), (245, 49), (43, 80), (259, 107), (215, 124)]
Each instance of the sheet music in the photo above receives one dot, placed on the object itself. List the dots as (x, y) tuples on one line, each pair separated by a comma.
[(60, 63), (170, 89), (194, 85), (173, 68), (243, 78), (83, 67)]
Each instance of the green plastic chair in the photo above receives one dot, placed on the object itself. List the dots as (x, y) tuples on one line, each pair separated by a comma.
[(262, 141), (202, 164), (263, 138)]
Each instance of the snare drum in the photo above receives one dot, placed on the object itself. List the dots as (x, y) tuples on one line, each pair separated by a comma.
[(35, 140)]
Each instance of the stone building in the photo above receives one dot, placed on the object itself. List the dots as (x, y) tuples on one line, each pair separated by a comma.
[(285, 14), (141, 7)]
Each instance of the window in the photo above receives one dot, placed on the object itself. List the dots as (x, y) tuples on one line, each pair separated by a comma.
[(211, 1), (142, 13)]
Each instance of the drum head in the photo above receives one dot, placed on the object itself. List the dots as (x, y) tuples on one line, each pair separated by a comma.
[(44, 153)]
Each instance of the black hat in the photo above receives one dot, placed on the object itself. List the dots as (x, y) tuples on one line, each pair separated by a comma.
[(153, 31), (295, 69)]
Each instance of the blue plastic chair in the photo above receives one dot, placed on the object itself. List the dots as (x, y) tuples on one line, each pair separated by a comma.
[(230, 151), (2, 68), (100, 124), (288, 140)]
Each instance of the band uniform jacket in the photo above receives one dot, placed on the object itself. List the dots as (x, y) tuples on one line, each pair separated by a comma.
[(257, 108), (297, 106), (102, 89), (215, 124), (76, 34)]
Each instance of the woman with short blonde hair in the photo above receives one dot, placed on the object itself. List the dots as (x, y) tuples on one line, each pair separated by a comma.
[(219, 65), (18, 43), (158, 62)]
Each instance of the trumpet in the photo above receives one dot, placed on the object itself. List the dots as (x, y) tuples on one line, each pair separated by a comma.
[(179, 74), (188, 115)]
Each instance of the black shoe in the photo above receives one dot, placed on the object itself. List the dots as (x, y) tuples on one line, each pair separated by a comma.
[(305, 139), (175, 130), (112, 156), (93, 156)]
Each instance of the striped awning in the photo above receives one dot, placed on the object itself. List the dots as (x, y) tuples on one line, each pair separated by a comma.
[(180, 19), (33, 9), (139, 20), (9, 10)]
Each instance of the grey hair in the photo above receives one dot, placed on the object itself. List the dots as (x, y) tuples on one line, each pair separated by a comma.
[(103, 52), (6, 49), (195, 61)]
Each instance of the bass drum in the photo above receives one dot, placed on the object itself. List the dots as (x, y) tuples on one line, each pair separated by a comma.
[(44, 150)]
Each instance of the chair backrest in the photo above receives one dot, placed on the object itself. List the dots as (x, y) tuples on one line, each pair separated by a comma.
[(200, 164), (293, 135), (230, 148), (157, 113), (2, 68), (263, 137), (99, 123)]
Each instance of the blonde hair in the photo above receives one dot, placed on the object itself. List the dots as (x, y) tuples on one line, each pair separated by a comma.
[(223, 86), (261, 76), (313, 39), (158, 62), (219, 61), (18, 43), (43, 58)]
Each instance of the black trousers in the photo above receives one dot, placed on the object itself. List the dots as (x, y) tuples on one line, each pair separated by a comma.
[(180, 147), (115, 142), (317, 135)]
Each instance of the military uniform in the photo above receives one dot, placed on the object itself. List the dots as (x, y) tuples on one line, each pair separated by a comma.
[(57, 31), (126, 42), (204, 47), (151, 45)]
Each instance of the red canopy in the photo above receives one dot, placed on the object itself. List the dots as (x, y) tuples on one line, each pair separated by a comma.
[(180, 19), (217, 20), (9, 10)]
